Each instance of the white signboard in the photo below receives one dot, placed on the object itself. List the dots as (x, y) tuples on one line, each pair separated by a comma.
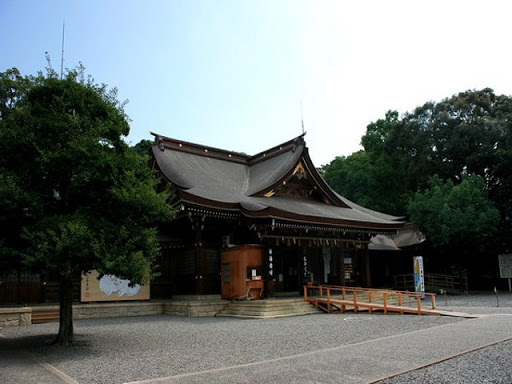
[(110, 288), (505, 266)]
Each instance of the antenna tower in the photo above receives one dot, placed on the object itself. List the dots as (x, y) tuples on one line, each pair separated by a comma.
[(62, 52), (301, 118)]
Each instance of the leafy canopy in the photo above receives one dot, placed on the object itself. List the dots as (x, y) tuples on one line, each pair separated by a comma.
[(455, 216), (469, 133), (370, 177), (71, 190)]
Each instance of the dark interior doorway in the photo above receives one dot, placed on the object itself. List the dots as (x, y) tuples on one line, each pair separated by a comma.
[(287, 269)]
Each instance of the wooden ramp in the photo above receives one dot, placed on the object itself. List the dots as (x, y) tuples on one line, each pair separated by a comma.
[(341, 299)]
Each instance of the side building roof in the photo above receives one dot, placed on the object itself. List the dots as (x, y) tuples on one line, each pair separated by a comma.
[(279, 183)]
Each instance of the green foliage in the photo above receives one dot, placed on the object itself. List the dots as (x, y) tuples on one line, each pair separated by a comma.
[(143, 147), (467, 134), (13, 87), (371, 178), (374, 141), (371, 183), (70, 187), (457, 136), (455, 217)]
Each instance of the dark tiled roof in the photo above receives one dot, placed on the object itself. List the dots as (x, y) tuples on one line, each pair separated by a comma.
[(253, 185), (407, 236)]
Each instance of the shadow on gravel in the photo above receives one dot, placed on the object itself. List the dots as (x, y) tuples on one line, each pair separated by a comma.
[(41, 346), (113, 321)]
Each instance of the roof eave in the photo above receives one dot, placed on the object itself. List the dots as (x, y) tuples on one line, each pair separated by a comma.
[(189, 200)]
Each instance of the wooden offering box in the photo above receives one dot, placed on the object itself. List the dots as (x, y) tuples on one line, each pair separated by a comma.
[(242, 268)]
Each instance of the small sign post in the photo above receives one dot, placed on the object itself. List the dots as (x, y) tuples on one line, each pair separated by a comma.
[(419, 279), (505, 262)]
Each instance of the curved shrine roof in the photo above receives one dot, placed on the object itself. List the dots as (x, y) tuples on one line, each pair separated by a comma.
[(280, 183)]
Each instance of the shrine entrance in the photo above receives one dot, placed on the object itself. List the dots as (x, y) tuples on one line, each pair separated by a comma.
[(290, 267), (286, 269)]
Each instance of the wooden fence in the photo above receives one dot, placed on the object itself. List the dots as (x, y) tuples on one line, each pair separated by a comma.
[(434, 282)]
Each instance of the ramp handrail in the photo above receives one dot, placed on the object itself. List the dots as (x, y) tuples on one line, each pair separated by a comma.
[(371, 299)]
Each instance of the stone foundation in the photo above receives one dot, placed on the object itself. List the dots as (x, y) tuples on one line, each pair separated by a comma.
[(188, 306), (194, 308), (94, 311), (10, 317)]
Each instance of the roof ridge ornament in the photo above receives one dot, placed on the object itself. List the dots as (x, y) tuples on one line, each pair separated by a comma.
[(295, 144), (302, 119), (160, 140)]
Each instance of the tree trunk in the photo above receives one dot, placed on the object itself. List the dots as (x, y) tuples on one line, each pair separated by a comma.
[(66, 335)]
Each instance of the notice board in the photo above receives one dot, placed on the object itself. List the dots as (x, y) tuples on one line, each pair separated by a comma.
[(110, 288), (505, 266)]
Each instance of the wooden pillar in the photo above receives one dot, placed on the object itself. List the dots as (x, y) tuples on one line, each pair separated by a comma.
[(336, 264), (342, 266), (300, 268), (366, 280), (200, 262)]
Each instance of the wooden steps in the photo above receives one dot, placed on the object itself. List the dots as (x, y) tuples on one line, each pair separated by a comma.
[(268, 308), (45, 314)]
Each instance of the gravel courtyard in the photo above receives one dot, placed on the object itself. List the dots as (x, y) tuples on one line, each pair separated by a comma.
[(172, 349), (492, 364)]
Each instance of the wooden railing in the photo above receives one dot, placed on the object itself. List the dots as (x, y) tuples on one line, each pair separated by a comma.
[(434, 282), (340, 298)]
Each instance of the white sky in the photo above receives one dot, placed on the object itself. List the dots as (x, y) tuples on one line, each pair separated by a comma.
[(232, 74)]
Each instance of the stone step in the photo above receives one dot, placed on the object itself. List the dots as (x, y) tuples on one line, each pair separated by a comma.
[(269, 303), (268, 308), (263, 306), (45, 315), (274, 311), (266, 315)]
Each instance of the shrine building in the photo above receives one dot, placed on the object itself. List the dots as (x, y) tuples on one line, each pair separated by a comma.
[(258, 226)]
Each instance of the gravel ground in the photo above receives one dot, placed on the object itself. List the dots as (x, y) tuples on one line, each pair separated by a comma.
[(492, 364), (476, 299), (487, 365), (129, 349)]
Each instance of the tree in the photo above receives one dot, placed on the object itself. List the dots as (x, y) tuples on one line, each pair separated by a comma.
[(372, 184), (78, 198), (370, 177), (414, 162), (458, 219), (143, 147), (468, 133), (455, 137), (377, 133), (14, 198)]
